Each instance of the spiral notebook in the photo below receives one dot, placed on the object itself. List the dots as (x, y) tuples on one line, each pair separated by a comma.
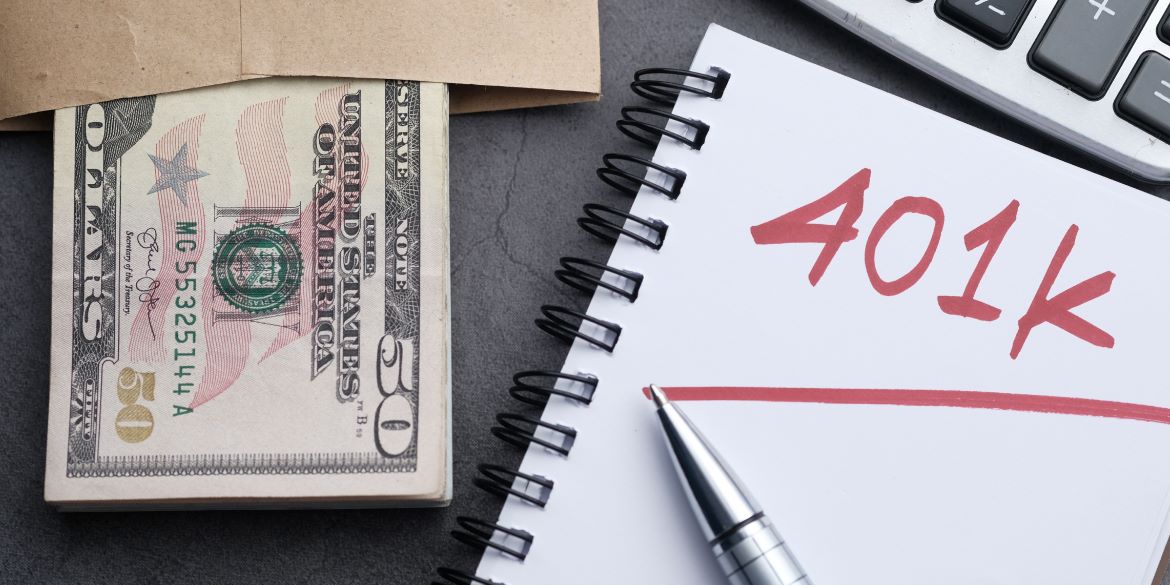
[(935, 356)]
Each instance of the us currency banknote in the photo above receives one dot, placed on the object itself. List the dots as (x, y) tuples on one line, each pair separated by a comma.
[(250, 297)]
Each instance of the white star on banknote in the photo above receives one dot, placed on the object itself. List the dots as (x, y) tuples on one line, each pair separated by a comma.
[(175, 174)]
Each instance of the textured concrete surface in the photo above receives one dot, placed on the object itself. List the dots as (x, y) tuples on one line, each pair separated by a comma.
[(518, 180)]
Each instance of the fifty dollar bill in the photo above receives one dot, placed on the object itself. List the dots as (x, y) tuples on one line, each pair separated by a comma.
[(250, 297)]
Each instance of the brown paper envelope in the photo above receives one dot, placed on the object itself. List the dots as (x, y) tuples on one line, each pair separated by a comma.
[(516, 53)]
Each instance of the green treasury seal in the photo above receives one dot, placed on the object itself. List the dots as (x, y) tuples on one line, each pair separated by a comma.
[(257, 268)]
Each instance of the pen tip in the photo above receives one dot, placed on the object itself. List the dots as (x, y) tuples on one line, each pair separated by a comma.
[(658, 395)]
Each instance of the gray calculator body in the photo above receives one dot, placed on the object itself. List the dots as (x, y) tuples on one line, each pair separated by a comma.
[(1092, 73)]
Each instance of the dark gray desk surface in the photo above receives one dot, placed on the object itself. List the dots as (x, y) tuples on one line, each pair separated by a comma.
[(518, 180)]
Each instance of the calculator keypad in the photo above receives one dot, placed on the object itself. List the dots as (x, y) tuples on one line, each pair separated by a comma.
[(1077, 70), (994, 22), (1084, 42)]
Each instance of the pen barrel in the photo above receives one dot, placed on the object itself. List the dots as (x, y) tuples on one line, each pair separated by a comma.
[(755, 554)]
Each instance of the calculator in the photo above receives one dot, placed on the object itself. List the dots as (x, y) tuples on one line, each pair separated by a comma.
[(1092, 73)]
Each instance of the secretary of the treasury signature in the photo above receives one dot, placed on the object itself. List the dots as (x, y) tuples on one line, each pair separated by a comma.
[(147, 285)]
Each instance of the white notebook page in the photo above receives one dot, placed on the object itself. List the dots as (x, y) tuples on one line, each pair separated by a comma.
[(1022, 477)]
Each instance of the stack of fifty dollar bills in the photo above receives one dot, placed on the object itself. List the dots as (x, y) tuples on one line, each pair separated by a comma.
[(251, 298)]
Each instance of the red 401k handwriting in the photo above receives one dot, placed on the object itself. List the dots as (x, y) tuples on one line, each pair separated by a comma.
[(796, 227)]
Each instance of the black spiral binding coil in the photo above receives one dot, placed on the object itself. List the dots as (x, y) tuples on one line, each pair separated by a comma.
[(577, 273), (649, 83), (649, 134), (627, 182), (536, 387), (607, 223)]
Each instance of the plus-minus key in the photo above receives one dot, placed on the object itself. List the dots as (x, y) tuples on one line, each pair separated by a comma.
[(994, 22)]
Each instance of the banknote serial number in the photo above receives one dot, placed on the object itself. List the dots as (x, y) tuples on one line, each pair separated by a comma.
[(186, 314)]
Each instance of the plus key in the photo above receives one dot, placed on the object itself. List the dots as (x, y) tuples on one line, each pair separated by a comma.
[(1084, 42)]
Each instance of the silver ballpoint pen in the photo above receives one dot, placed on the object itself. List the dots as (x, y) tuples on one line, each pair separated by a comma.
[(748, 548)]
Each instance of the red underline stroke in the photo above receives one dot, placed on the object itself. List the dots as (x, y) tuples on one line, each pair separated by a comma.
[(945, 398)]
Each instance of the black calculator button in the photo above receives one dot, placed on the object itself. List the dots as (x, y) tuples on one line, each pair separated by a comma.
[(1145, 100), (1085, 41), (994, 22), (1164, 28)]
